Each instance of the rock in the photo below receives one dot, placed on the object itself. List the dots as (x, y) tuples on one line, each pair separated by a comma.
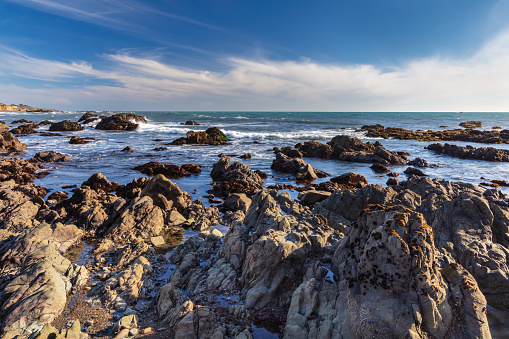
[(471, 124), (237, 201), (190, 123), (99, 182), (314, 149), (217, 233), (379, 168), (469, 152), (141, 219), (235, 178), (14, 251), (58, 196), (351, 179), (157, 241), (212, 136), (9, 143), (297, 166), (120, 122), (132, 189), (392, 182), (80, 141), (418, 162), (88, 117), (200, 217), (25, 129), (73, 332), (127, 322), (469, 135), (169, 171), (22, 121), (49, 156), (165, 193), (414, 171), (45, 122), (65, 126), (128, 149), (38, 295), (245, 156), (291, 152), (313, 196), (20, 170)]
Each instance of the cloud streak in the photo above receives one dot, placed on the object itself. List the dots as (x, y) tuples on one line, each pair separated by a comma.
[(477, 83)]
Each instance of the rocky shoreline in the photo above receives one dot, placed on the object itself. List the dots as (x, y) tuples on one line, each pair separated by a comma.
[(417, 258)]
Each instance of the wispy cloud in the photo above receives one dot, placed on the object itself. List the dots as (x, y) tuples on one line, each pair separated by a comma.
[(477, 83)]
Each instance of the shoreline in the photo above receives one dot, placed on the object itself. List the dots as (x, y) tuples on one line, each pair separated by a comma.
[(163, 255)]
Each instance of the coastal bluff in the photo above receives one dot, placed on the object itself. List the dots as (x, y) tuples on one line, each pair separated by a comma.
[(23, 108)]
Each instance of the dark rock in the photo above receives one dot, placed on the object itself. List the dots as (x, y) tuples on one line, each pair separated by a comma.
[(8, 142), (120, 122), (379, 168), (261, 174), (313, 196), (296, 166), (128, 149), (49, 156), (291, 152), (414, 171), (393, 174), (23, 121), (351, 179), (190, 123), (212, 136), (25, 129), (314, 149), (237, 201), (469, 152), (99, 182), (216, 134), (88, 117), (133, 189), (80, 141), (392, 182), (50, 134), (503, 183), (45, 122), (192, 168), (245, 156), (170, 171), (235, 178), (160, 148), (66, 125), (419, 162), (471, 124)]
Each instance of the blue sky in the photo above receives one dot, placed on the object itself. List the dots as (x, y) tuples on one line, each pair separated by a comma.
[(378, 55)]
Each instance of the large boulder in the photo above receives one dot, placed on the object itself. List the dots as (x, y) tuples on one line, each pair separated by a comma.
[(165, 193), (8, 142), (99, 182), (234, 178), (20, 170), (121, 122), (212, 136), (297, 166)]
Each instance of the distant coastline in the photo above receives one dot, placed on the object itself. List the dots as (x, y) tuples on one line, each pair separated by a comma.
[(23, 108)]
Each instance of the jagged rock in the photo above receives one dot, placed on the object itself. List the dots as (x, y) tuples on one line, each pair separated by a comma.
[(132, 189), (190, 123), (49, 156), (38, 295), (379, 168), (351, 179), (141, 219), (120, 122), (419, 162), (56, 197), (88, 117), (291, 152), (297, 166), (202, 217), (8, 142), (99, 182), (235, 178), (25, 129), (65, 125), (22, 121), (469, 152), (314, 149), (165, 193), (14, 251), (128, 149), (392, 182), (128, 286)]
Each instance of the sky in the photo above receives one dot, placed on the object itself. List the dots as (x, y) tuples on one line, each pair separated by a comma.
[(209, 55)]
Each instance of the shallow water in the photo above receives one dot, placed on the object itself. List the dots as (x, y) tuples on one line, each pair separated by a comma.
[(251, 132)]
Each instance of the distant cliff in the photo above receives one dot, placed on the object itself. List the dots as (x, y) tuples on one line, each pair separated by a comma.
[(23, 108)]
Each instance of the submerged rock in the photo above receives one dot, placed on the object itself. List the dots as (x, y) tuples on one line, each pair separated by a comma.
[(469, 152), (169, 171)]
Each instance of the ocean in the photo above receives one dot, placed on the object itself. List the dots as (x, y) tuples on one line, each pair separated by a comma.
[(251, 132)]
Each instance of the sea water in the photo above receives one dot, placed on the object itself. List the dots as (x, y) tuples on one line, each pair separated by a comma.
[(251, 132)]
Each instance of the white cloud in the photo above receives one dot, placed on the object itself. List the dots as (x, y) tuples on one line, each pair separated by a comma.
[(477, 83)]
